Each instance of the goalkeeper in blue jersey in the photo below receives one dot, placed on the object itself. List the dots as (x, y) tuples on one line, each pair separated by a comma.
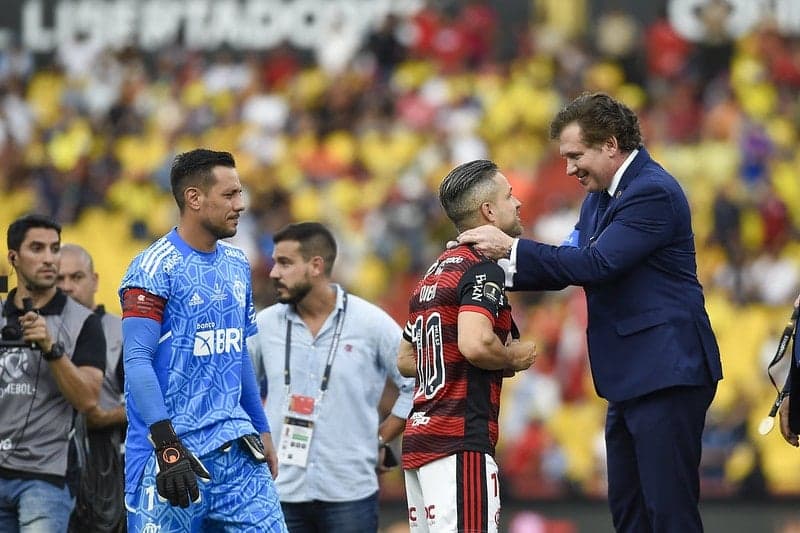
[(199, 456)]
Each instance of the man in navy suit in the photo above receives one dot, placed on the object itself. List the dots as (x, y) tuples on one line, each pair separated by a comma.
[(653, 354)]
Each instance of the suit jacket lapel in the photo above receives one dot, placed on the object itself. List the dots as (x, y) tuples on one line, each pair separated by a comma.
[(631, 172)]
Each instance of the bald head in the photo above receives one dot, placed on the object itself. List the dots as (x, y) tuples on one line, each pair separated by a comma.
[(76, 275)]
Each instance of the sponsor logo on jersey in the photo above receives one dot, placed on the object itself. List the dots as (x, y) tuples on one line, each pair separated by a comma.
[(437, 267), (477, 290), (235, 252), (431, 269), (251, 313), (171, 262), (419, 419), (196, 300), (217, 341)]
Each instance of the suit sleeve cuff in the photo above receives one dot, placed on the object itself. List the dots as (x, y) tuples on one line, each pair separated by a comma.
[(509, 265)]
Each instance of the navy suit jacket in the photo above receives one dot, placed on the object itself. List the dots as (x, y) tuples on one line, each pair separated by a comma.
[(793, 379), (648, 328)]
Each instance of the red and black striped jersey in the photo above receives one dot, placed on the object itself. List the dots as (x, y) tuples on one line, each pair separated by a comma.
[(456, 404)]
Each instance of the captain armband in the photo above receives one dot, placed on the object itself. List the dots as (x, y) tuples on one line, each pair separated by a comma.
[(138, 303)]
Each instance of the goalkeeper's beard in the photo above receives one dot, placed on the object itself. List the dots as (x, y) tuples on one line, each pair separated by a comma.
[(219, 231)]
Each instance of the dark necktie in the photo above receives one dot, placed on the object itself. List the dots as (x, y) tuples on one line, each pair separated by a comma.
[(602, 204)]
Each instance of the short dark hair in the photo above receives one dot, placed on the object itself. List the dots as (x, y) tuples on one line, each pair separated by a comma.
[(465, 188), (195, 169), (315, 240), (600, 117), (19, 229)]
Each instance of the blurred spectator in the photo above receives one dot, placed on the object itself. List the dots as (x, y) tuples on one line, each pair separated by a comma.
[(667, 52), (712, 55), (386, 48), (774, 279), (334, 52), (618, 37), (726, 232), (16, 62), (77, 53), (776, 221), (756, 150)]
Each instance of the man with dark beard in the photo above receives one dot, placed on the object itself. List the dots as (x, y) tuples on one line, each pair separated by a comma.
[(326, 355), (190, 391)]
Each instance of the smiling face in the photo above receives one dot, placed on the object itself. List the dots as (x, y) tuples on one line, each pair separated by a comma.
[(506, 207), (37, 259), (222, 204), (594, 166)]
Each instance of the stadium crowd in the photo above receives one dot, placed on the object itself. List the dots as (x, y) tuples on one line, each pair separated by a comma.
[(358, 136)]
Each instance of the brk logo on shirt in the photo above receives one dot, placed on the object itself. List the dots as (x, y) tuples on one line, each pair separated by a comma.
[(477, 290), (217, 341)]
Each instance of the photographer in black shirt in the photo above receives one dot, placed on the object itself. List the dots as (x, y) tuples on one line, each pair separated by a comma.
[(56, 372)]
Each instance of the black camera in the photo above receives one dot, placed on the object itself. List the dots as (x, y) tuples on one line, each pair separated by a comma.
[(11, 333)]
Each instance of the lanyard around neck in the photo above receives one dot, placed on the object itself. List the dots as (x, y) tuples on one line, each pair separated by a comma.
[(337, 333)]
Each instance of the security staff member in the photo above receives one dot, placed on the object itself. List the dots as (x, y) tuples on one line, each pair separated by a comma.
[(99, 506), (43, 384)]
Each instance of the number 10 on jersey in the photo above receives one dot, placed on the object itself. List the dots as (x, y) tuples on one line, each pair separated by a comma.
[(430, 355)]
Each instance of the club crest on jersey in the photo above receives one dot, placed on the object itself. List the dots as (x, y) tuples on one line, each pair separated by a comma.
[(239, 292)]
